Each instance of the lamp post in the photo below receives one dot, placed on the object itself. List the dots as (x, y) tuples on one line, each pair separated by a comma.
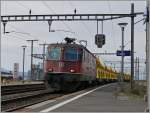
[(23, 60), (122, 25)]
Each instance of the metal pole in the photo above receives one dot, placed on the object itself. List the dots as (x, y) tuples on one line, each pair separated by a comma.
[(102, 27), (23, 60), (147, 56), (97, 26), (43, 54), (132, 45), (4, 24), (136, 68), (32, 57), (49, 23), (122, 55), (138, 65), (135, 77), (122, 25), (31, 60), (0, 53)]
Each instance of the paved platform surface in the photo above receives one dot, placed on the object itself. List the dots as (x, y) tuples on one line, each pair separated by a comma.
[(100, 100), (103, 100)]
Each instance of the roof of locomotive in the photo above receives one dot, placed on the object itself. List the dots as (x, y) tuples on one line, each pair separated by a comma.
[(65, 45), (69, 45)]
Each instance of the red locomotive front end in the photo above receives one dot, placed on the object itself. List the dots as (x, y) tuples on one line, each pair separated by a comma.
[(68, 65), (63, 66), (63, 59)]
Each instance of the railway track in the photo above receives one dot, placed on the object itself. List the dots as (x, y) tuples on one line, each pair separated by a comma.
[(18, 101), (14, 89), (18, 96), (12, 96), (11, 102)]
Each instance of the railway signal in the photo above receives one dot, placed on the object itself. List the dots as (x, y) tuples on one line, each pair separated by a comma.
[(99, 40)]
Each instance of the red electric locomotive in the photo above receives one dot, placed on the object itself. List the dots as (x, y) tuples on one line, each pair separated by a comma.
[(69, 65)]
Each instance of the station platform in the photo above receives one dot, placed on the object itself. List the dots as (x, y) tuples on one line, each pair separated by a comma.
[(103, 100), (99, 99)]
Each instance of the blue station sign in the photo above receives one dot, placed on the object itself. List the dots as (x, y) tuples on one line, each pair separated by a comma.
[(125, 53)]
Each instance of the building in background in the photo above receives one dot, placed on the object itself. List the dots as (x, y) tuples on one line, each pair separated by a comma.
[(16, 71)]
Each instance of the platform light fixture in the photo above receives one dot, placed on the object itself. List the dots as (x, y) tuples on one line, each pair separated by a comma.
[(24, 47), (122, 25)]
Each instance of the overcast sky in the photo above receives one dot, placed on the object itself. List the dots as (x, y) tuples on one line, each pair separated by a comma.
[(11, 43)]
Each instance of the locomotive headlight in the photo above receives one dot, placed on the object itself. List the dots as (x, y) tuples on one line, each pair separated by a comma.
[(50, 70), (72, 71)]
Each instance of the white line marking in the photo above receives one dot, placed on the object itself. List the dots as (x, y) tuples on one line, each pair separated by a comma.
[(40, 104), (72, 99)]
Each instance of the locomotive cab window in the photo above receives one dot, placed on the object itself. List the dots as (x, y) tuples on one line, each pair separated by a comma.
[(70, 54), (80, 54), (54, 53)]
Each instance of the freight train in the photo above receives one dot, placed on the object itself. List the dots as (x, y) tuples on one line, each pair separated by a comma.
[(69, 66)]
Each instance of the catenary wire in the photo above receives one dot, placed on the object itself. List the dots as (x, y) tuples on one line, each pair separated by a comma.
[(46, 5), (86, 27)]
